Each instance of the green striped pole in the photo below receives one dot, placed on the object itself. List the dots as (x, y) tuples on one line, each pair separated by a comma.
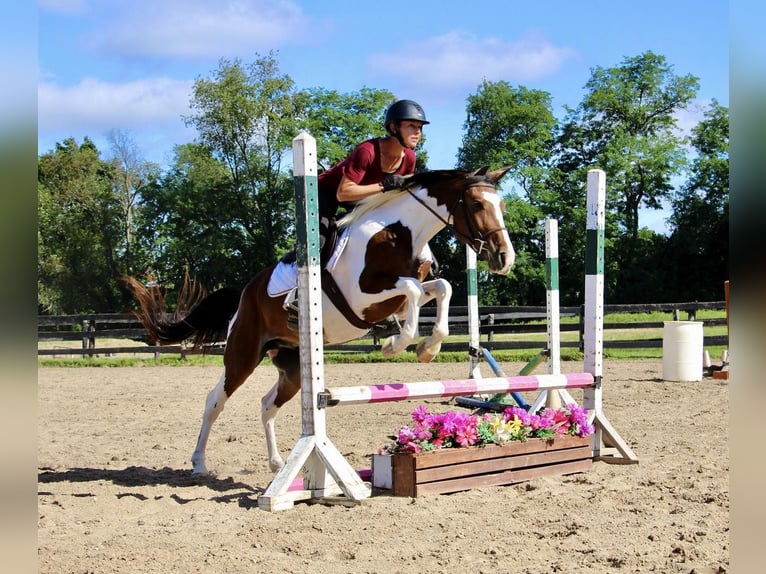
[(327, 472), (552, 306), (309, 281), (473, 312), (606, 439), (593, 337)]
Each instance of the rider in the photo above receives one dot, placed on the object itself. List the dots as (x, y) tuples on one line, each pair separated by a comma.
[(374, 166)]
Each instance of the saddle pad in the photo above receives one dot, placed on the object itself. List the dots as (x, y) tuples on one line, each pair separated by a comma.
[(285, 275), (283, 279)]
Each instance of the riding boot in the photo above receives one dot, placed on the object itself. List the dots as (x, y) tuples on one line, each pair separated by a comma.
[(290, 305), (291, 300)]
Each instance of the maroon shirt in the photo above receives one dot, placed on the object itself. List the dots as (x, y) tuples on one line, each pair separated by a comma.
[(363, 168)]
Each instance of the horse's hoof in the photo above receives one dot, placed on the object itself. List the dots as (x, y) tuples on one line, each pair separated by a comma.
[(427, 354), (197, 471), (276, 465), (387, 349)]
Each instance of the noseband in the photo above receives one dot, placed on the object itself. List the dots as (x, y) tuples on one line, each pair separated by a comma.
[(476, 241)]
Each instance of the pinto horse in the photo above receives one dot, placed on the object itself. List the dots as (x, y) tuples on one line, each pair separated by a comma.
[(381, 271)]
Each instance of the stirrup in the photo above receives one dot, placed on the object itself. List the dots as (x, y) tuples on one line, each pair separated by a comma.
[(386, 327), (290, 304)]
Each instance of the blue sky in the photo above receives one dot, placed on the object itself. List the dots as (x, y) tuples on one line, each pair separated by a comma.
[(129, 65)]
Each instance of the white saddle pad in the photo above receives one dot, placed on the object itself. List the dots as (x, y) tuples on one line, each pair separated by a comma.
[(285, 275)]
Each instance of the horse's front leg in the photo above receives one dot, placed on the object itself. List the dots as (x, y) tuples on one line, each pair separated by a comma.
[(413, 291), (440, 290)]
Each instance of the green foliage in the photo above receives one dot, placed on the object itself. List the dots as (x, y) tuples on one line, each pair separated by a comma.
[(625, 126), (508, 126), (339, 122), (79, 233), (245, 117), (698, 247)]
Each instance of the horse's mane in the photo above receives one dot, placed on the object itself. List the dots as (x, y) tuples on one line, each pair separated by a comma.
[(420, 179)]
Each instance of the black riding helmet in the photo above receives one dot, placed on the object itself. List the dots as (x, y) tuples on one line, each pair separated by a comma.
[(403, 110)]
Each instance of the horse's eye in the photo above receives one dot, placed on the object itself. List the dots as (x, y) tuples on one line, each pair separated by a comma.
[(478, 205)]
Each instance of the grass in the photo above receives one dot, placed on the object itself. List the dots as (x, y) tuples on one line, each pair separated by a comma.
[(511, 355)]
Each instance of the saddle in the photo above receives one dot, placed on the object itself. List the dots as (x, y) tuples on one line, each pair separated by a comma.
[(328, 240)]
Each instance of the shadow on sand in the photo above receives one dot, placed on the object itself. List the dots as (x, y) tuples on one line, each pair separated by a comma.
[(137, 476)]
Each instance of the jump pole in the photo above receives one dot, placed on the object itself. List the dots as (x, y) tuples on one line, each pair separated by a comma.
[(593, 336), (327, 472), (552, 399), (473, 314)]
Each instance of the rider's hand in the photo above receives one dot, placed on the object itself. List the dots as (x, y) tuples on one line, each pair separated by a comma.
[(392, 181)]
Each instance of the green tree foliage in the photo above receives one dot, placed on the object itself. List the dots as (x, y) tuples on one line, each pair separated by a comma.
[(190, 224), (339, 122), (698, 246), (245, 117), (80, 239), (510, 126), (131, 174), (626, 126)]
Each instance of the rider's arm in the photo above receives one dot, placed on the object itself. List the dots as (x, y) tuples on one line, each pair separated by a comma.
[(352, 192)]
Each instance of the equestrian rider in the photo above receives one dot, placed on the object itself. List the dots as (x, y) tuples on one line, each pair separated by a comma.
[(374, 166)]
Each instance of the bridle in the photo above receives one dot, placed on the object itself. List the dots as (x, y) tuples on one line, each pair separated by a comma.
[(476, 241)]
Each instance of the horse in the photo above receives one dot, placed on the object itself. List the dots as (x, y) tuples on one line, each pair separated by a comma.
[(381, 271)]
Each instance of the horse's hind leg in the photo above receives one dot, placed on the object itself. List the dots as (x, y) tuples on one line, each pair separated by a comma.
[(235, 373), (430, 346), (288, 384), (216, 399)]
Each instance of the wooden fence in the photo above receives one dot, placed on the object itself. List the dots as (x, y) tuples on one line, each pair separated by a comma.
[(496, 323)]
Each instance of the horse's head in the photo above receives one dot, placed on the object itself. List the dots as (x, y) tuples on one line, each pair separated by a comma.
[(477, 218)]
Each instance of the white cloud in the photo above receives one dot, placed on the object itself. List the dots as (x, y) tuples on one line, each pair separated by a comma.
[(458, 60), (194, 28), (93, 105)]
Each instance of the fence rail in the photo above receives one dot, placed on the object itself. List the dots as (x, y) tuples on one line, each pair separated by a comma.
[(494, 322)]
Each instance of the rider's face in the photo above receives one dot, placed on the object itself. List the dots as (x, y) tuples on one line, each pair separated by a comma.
[(411, 130)]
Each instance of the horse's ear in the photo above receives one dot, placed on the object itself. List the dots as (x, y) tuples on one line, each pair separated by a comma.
[(480, 171), (499, 173)]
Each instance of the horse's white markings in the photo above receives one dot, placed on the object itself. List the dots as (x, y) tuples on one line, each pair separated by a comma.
[(216, 399)]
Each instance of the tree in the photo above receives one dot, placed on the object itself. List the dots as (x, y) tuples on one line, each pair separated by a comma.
[(79, 235), (131, 173), (699, 243), (245, 116), (509, 126), (339, 122), (626, 126), (188, 225)]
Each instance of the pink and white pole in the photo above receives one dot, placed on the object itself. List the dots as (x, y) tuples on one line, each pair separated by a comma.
[(451, 388)]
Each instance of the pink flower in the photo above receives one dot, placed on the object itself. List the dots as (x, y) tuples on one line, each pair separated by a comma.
[(420, 414)]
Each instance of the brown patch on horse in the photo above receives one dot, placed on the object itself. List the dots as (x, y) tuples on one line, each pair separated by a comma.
[(387, 258)]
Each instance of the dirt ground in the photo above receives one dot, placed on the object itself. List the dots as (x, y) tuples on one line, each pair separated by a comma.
[(115, 491)]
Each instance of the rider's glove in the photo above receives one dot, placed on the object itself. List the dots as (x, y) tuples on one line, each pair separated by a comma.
[(393, 181)]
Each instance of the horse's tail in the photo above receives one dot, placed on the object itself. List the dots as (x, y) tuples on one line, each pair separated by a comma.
[(197, 318)]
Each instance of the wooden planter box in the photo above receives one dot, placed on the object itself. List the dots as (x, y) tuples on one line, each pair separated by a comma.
[(455, 469)]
